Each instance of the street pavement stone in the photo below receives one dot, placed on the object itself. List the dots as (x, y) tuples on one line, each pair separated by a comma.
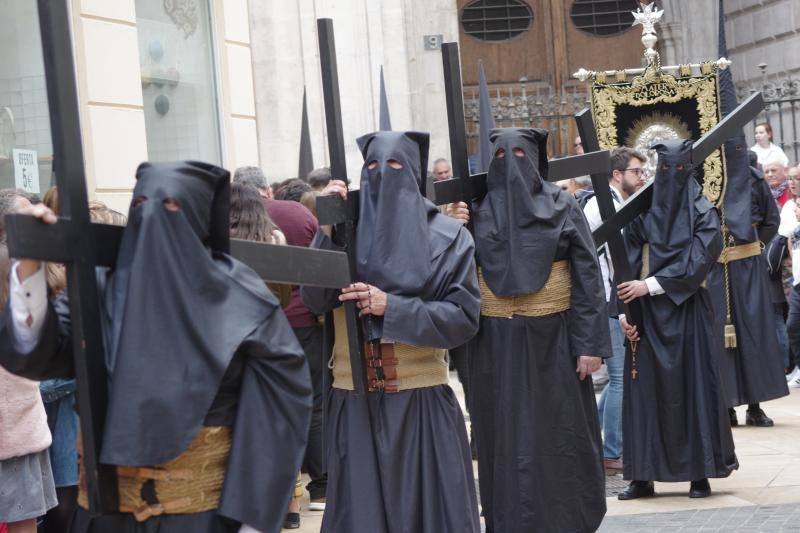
[(763, 496), (755, 519)]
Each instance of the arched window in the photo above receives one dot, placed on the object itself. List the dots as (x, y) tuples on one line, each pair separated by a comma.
[(603, 17), (496, 20)]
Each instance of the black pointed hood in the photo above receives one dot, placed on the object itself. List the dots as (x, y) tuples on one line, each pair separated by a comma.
[(677, 199), (736, 211), (179, 309), (393, 219), (519, 222)]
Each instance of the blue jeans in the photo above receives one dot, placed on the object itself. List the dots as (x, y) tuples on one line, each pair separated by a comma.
[(610, 406), (63, 422), (783, 337)]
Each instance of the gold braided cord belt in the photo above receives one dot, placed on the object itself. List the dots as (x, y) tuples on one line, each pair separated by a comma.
[(190, 483), (742, 251), (552, 298)]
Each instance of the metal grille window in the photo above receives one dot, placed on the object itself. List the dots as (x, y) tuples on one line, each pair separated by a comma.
[(496, 20), (602, 17)]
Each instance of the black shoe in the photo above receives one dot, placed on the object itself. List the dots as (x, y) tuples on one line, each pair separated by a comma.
[(732, 415), (637, 489), (700, 489), (759, 419), (292, 521)]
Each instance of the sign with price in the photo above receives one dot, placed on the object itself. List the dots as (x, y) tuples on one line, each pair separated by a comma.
[(26, 170)]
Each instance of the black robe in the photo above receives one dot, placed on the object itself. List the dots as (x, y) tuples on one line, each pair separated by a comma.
[(400, 462), (264, 395), (540, 451), (753, 371), (675, 422)]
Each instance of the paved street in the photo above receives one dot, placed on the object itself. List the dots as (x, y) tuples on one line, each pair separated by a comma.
[(762, 496)]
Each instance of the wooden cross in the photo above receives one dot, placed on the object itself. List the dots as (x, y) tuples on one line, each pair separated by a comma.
[(332, 209), (466, 187), (614, 221), (83, 246)]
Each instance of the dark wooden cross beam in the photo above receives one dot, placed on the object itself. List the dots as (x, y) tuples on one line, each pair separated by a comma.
[(332, 209), (616, 244), (473, 187), (83, 246), (702, 148), (466, 187)]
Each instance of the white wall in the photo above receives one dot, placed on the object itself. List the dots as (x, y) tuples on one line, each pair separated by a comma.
[(369, 33)]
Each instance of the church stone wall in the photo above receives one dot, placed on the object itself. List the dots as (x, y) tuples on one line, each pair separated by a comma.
[(368, 34)]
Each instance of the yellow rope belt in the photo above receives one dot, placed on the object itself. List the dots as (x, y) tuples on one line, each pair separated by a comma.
[(411, 367), (742, 251), (552, 298), (190, 483)]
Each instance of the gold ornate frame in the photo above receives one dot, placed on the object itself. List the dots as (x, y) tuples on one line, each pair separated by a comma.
[(655, 87)]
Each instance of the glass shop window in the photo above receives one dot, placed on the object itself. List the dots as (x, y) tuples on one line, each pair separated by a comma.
[(26, 149), (176, 54)]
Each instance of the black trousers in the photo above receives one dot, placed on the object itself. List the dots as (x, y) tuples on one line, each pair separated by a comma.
[(311, 340), (793, 325)]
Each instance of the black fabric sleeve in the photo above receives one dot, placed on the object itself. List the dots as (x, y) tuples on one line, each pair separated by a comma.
[(452, 318), (703, 253), (271, 427), (588, 318), (320, 300), (52, 356)]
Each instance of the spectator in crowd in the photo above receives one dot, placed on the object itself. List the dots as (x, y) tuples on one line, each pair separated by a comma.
[(248, 218), (764, 147), (626, 178), (584, 190), (319, 178), (27, 490), (775, 174), (299, 227), (578, 146), (793, 322), (255, 178), (788, 219), (309, 201), (442, 170), (292, 190)]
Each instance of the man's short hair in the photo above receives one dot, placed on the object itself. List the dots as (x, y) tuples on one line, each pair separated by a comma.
[(622, 155), (441, 160), (774, 159), (319, 177), (8, 205), (252, 176), (583, 182), (292, 190)]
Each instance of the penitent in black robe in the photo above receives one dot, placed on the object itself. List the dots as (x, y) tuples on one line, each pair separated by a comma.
[(264, 395), (400, 462), (535, 422), (675, 422), (753, 371)]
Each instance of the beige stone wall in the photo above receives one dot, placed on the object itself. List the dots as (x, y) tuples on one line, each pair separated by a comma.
[(110, 93), (369, 34)]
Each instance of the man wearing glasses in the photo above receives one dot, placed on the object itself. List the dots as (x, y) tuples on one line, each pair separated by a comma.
[(626, 178)]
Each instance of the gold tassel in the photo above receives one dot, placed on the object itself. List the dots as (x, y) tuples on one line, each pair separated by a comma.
[(730, 334)]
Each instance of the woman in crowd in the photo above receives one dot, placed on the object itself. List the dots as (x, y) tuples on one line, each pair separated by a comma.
[(27, 490), (764, 148)]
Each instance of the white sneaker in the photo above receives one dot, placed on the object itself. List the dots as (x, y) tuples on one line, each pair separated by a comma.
[(317, 505), (795, 382), (793, 374)]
